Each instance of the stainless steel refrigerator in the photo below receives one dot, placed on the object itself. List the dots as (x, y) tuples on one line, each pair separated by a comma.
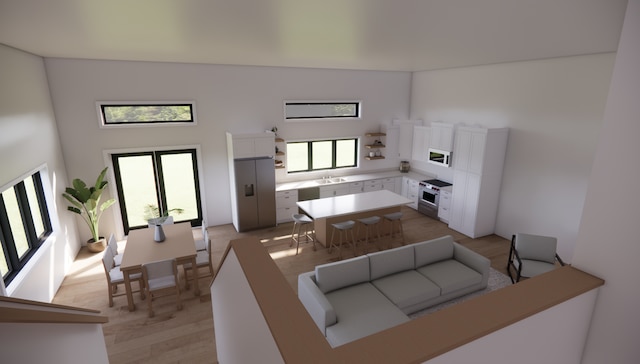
[(255, 193)]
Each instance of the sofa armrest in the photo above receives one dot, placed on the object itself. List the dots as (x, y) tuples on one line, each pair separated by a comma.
[(472, 260), (315, 302)]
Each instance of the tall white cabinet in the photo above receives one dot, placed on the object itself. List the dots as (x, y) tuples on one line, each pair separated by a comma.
[(478, 160)]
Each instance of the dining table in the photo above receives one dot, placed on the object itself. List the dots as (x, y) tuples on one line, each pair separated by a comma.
[(141, 248)]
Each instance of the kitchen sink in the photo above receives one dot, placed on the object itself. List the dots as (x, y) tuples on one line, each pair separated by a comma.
[(326, 181)]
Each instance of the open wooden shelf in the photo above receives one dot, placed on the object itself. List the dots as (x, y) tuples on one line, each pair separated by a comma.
[(374, 158), (375, 134), (375, 146)]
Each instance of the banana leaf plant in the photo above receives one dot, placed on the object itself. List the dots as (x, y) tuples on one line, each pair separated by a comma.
[(85, 202)]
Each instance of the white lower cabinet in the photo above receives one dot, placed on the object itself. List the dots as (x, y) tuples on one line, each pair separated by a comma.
[(410, 190), (390, 184), (334, 190), (372, 185), (444, 207), (356, 187), (286, 205)]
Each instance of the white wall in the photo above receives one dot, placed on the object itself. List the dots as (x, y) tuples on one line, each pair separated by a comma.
[(29, 141), (228, 98), (53, 343), (554, 110), (608, 240)]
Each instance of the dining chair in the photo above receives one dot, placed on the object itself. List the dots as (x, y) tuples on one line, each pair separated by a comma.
[(116, 277), (161, 279), (201, 244), (113, 245), (203, 259)]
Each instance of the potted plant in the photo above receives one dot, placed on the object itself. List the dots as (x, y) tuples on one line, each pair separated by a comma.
[(85, 202), (152, 214)]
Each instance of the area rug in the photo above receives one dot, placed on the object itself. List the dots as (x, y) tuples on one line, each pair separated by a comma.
[(497, 280)]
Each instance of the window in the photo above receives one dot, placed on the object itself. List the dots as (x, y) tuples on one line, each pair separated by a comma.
[(119, 114), (321, 110), (24, 224), (316, 155), (153, 183)]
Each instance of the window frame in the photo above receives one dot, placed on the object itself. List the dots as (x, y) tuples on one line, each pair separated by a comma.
[(15, 263), (333, 154), (155, 154), (357, 116), (100, 105)]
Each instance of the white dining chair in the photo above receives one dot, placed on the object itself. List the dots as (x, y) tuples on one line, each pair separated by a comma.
[(116, 277), (113, 245), (161, 279), (203, 260)]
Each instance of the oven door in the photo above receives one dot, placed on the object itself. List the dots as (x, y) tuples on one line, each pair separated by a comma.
[(429, 196)]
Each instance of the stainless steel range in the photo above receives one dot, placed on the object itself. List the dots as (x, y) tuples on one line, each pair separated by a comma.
[(430, 196)]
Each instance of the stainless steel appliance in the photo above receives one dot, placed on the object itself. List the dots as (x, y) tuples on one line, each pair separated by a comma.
[(429, 194), (255, 196), (439, 157)]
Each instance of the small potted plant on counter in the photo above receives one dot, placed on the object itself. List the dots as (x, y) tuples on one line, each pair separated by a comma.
[(85, 202)]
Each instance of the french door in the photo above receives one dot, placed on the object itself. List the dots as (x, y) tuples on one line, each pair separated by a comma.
[(157, 183)]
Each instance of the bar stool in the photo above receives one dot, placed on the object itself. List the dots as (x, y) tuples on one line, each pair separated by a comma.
[(369, 223), (394, 218), (302, 221), (343, 228)]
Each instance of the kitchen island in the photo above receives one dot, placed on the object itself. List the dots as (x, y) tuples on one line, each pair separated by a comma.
[(330, 210)]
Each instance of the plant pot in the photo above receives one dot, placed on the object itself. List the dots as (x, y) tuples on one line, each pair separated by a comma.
[(96, 246)]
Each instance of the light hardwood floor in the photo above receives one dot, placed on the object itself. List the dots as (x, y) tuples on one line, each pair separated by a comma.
[(187, 336)]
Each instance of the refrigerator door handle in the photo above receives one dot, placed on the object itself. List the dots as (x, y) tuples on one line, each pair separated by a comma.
[(248, 190)]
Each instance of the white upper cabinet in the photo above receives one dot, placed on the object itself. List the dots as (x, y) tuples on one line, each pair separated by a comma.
[(421, 142), (441, 136), (400, 140), (469, 149), (252, 145)]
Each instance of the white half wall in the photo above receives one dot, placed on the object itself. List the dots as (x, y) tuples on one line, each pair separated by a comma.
[(28, 142), (553, 109), (608, 240), (228, 98)]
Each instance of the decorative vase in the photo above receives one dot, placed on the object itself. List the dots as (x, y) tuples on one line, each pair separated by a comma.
[(158, 234), (96, 246)]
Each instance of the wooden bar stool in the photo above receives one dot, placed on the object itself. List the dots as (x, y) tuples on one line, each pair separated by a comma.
[(301, 221), (395, 219), (345, 228), (369, 223)]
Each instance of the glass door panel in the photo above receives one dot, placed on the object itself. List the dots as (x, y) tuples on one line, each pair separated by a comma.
[(179, 185), (137, 188)]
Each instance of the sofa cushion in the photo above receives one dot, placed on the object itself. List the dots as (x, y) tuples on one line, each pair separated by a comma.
[(450, 275), (344, 273), (435, 250), (391, 261), (407, 288), (361, 311)]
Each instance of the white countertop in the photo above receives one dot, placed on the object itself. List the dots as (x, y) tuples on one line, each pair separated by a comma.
[(352, 178), (349, 204)]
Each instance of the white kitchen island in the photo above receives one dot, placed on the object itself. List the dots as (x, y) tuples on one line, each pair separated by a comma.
[(330, 210)]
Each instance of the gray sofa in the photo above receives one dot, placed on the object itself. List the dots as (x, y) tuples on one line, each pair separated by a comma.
[(357, 297)]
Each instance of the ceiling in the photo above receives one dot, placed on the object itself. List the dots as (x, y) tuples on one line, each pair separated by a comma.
[(395, 35)]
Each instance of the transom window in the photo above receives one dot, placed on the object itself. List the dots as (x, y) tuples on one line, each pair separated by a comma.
[(321, 110), (306, 156), (24, 224), (122, 114)]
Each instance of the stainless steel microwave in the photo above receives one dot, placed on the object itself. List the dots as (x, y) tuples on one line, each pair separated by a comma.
[(440, 157)]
